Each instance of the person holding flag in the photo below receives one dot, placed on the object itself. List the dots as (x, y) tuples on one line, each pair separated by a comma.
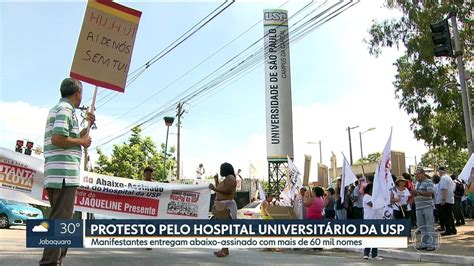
[(399, 197), (382, 184), (298, 207), (348, 177), (357, 197)]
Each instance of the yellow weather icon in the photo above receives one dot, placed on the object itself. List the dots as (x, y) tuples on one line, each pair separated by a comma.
[(43, 227), (45, 224)]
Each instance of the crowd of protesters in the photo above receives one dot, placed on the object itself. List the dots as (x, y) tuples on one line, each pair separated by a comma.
[(326, 203), (424, 200)]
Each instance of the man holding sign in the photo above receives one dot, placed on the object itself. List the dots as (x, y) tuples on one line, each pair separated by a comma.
[(62, 153)]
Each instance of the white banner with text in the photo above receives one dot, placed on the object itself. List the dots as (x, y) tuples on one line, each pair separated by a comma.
[(22, 177)]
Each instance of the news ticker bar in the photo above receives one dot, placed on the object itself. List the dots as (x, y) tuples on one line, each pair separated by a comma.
[(218, 233), (246, 242)]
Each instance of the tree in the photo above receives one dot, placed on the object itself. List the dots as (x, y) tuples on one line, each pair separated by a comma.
[(453, 160), (129, 159), (371, 158), (427, 87)]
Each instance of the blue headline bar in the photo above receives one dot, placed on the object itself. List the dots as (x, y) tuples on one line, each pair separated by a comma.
[(276, 228)]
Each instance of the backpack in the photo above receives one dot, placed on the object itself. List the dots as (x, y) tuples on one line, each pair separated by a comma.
[(459, 189)]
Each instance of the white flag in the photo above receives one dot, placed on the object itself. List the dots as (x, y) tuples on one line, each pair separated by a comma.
[(285, 199), (467, 171), (348, 177), (252, 170), (294, 181), (383, 181), (261, 193)]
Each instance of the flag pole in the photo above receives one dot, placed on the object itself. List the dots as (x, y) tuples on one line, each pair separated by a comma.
[(92, 108), (401, 208), (362, 165), (89, 125), (250, 177)]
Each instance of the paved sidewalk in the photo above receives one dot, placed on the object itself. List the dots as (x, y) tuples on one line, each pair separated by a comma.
[(454, 249)]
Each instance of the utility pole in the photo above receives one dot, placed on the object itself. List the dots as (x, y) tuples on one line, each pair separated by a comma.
[(168, 122), (320, 153), (178, 152), (360, 140), (350, 142), (462, 80), (442, 47)]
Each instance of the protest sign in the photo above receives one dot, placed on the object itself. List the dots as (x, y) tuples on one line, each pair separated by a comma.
[(105, 45)]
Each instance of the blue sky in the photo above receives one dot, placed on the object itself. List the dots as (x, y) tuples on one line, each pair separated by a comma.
[(335, 82)]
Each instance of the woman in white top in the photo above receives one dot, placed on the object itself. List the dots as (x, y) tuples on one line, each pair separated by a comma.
[(399, 197)]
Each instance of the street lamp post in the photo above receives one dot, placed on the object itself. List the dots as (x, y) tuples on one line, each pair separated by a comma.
[(320, 150), (360, 138), (350, 142), (168, 122)]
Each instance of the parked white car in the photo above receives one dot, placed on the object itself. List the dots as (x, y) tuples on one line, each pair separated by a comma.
[(250, 211)]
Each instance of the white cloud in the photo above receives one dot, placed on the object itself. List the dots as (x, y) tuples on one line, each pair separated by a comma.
[(39, 228)]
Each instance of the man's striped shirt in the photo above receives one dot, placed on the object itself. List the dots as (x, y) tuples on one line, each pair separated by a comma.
[(61, 163), (426, 185)]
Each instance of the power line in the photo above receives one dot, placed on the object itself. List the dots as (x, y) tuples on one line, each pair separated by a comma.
[(139, 71), (255, 57), (192, 69), (219, 81), (306, 31), (236, 56), (173, 44), (188, 97)]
